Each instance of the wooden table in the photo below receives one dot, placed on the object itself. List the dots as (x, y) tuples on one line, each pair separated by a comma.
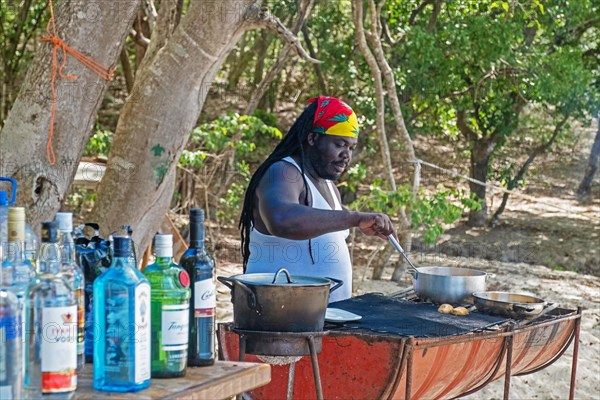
[(219, 381)]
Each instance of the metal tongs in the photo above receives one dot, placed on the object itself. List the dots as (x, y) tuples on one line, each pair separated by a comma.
[(400, 250)]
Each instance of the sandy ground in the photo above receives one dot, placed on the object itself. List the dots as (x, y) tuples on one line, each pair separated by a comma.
[(568, 288)]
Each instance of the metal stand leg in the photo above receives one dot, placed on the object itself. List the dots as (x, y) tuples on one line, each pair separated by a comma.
[(315, 367), (575, 354), (409, 369), (241, 357), (290, 386), (508, 371)]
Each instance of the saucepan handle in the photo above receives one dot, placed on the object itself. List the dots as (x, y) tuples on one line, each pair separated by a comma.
[(338, 283), (231, 283), (226, 281)]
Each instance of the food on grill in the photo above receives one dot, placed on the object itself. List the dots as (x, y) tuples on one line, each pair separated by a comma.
[(460, 311), (446, 309)]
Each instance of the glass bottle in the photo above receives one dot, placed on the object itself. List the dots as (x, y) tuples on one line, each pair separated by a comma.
[(51, 324), (11, 355), (74, 276), (122, 322), (200, 265), (170, 291), (19, 270), (5, 201)]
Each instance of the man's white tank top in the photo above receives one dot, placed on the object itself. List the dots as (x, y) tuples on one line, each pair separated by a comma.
[(329, 251)]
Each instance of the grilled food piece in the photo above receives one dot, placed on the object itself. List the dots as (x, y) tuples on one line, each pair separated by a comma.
[(446, 309), (460, 311)]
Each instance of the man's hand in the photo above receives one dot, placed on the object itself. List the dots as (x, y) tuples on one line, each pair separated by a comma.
[(375, 224)]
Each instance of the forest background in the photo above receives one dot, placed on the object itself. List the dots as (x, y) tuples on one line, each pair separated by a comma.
[(203, 90)]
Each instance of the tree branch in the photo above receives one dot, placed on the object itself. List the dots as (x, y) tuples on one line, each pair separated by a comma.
[(264, 19), (418, 10), (139, 38)]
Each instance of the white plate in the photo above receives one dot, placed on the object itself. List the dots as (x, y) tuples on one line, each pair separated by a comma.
[(338, 315)]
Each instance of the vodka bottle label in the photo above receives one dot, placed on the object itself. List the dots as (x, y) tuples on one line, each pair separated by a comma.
[(59, 349), (205, 295), (142, 336), (175, 326)]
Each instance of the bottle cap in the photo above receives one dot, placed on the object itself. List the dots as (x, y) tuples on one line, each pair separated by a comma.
[(163, 245), (16, 224), (197, 214), (65, 221), (122, 246), (50, 232), (3, 198)]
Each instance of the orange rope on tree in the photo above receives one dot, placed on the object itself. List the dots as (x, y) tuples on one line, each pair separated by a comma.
[(99, 69)]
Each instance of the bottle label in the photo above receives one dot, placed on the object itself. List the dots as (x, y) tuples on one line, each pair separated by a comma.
[(80, 318), (142, 335), (59, 349), (175, 326), (205, 294)]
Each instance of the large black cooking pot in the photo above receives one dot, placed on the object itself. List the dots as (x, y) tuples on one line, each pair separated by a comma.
[(279, 302)]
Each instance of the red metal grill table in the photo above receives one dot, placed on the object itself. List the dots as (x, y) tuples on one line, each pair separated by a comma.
[(357, 363)]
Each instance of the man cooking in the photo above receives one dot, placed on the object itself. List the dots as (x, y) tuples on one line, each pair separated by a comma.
[(292, 215)]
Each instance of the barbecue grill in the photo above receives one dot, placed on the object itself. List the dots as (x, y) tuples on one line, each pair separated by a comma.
[(359, 360)]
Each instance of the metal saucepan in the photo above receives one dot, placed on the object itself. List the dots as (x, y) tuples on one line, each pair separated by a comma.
[(266, 302), (444, 284), (513, 305)]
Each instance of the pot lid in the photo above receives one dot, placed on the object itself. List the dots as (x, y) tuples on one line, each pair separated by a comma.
[(281, 278)]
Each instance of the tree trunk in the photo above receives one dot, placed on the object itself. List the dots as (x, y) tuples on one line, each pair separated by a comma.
[(480, 161), (538, 150), (155, 123), (405, 227), (357, 16), (98, 32), (584, 191)]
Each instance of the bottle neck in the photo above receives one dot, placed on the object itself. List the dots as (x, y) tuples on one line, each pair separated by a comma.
[(50, 258), (121, 261), (14, 251), (197, 234), (67, 247)]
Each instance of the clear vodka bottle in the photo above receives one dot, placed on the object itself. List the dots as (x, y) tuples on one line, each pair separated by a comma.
[(50, 324), (72, 273)]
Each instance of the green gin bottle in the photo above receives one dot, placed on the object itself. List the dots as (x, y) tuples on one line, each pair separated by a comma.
[(170, 303)]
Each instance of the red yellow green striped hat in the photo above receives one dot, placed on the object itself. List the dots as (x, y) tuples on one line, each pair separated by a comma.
[(334, 117)]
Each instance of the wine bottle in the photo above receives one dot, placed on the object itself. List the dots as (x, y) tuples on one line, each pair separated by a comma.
[(200, 265), (74, 276), (51, 324), (170, 293), (122, 323)]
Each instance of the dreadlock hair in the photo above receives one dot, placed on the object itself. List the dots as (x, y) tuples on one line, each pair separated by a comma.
[(292, 143)]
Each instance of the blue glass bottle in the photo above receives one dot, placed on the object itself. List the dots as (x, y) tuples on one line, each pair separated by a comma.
[(170, 287), (200, 265), (122, 324), (50, 325), (74, 276)]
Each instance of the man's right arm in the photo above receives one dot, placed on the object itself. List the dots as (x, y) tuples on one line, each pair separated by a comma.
[(281, 211)]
